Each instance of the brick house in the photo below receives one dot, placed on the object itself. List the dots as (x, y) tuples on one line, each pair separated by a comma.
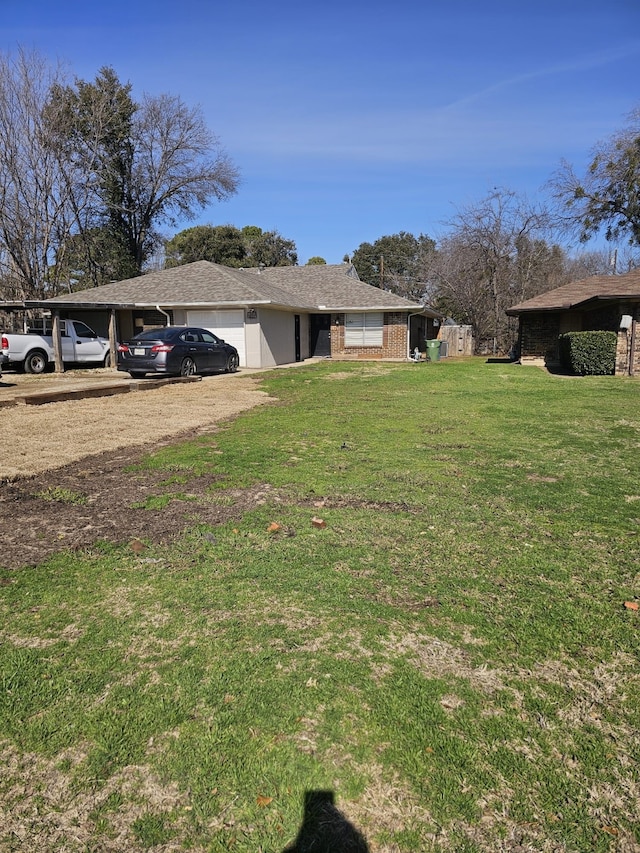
[(273, 315), (602, 302)]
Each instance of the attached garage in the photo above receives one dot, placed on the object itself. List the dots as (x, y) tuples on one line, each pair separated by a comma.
[(271, 315), (228, 325)]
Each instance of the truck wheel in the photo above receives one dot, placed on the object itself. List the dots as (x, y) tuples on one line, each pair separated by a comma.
[(36, 362)]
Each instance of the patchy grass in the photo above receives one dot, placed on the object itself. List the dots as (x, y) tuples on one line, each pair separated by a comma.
[(59, 494), (449, 655)]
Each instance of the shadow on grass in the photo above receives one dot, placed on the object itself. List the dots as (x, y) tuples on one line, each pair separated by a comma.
[(558, 370), (325, 829), (550, 366)]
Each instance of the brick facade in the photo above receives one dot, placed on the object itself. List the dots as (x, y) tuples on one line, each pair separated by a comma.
[(539, 333), (628, 346), (539, 337), (394, 339)]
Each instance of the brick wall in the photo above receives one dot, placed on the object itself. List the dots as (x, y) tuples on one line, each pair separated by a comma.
[(394, 339), (539, 333), (628, 340), (539, 336)]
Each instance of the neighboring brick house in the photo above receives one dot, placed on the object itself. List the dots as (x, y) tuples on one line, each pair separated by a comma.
[(272, 315), (602, 302)]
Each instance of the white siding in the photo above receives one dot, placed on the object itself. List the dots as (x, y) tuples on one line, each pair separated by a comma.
[(278, 337)]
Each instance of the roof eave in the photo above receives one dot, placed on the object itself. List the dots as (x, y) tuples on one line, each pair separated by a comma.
[(410, 309)]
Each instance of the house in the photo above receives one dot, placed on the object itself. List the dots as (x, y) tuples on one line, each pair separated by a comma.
[(272, 315), (602, 302)]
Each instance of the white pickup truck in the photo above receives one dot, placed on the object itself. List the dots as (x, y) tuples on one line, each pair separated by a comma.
[(33, 352)]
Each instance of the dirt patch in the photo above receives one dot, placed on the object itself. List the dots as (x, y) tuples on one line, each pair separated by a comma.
[(43, 809), (38, 438), (56, 496)]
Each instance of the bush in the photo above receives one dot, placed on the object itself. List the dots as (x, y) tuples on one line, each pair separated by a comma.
[(589, 353)]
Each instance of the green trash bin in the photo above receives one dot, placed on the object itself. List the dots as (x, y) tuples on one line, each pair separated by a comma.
[(433, 350)]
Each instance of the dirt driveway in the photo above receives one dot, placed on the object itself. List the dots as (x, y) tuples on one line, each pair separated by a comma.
[(38, 438), (83, 447)]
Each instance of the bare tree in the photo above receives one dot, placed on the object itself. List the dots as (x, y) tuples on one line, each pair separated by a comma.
[(87, 176), (177, 167), (34, 204), (151, 163), (494, 257), (458, 289)]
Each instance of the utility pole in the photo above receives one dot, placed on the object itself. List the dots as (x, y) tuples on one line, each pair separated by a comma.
[(613, 262)]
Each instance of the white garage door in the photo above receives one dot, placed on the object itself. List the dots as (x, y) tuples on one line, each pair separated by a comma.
[(228, 325)]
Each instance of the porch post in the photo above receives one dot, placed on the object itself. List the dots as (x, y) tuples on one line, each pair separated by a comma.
[(57, 342), (113, 341)]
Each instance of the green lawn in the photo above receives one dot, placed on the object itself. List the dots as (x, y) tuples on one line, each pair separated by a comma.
[(450, 654)]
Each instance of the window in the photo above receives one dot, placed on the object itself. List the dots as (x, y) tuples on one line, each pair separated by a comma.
[(363, 330), (82, 330)]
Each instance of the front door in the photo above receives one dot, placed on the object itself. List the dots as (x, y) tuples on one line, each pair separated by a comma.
[(296, 321), (320, 335)]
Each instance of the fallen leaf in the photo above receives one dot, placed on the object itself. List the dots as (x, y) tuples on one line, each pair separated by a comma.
[(263, 801), (632, 605), (137, 546), (273, 527), (318, 522), (610, 830), (312, 682)]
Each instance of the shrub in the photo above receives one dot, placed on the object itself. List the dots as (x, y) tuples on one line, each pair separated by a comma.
[(589, 353)]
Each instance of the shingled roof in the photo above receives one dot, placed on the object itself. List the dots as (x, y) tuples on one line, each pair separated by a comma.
[(326, 287), (597, 287)]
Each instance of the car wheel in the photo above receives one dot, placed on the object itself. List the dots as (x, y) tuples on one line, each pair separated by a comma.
[(188, 367), (232, 364), (106, 361), (137, 374), (36, 362)]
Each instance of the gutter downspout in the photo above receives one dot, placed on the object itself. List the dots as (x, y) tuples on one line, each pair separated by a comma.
[(158, 308)]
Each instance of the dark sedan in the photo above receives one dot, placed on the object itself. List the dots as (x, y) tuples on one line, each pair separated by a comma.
[(177, 351)]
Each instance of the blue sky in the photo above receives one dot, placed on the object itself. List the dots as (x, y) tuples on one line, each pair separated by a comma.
[(350, 121)]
